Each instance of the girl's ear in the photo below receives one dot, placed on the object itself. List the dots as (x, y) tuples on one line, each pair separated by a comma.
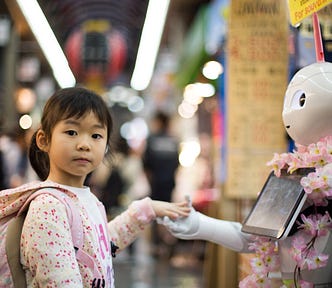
[(42, 141)]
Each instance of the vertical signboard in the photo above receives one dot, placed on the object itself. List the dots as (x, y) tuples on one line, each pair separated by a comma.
[(257, 70)]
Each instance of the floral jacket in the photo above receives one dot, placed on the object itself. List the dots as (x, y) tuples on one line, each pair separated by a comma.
[(47, 251)]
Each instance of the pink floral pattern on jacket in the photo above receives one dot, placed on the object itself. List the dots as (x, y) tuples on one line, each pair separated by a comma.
[(47, 251)]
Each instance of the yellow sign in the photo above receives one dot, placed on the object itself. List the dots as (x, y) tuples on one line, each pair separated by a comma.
[(300, 9)]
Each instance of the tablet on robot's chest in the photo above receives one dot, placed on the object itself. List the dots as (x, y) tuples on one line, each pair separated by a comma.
[(277, 206)]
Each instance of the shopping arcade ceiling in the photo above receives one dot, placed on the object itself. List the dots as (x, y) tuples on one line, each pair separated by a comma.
[(125, 16)]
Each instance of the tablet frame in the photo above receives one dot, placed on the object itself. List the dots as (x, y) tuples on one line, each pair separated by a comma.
[(269, 197)]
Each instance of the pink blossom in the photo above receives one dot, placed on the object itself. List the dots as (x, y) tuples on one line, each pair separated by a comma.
[(316, 260), (254, 281), (301, 148), (327, 142), (263, 246), (258, 266), (248, 282), (313, 149), (312, 182), (316, 225), (326, 175), (294, 162), (326, 153), (324, 224), (307, 257), (315, 186), (267, 258), (278, 162), (299, 245), (272, 262), (318, 198), (305, 284)]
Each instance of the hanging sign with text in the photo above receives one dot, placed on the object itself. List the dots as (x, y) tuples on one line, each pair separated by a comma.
[(257, 67), (301, 9)]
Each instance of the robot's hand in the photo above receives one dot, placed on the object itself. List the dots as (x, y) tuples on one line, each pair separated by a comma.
[(202, 227), (184, 227)]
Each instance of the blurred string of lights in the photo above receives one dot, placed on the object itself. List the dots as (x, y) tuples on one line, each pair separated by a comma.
[(194, 93), (136, 130), (125, 97)]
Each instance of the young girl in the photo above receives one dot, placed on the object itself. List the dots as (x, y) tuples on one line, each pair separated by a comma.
[(73, 139)]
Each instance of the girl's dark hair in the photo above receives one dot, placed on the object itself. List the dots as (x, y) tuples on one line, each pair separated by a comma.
[(67, 103)]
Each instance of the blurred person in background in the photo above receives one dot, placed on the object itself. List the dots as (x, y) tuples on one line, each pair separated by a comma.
[(109, 184), (14, 148), (160, 162)]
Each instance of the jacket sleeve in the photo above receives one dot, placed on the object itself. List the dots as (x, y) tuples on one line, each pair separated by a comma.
[(124, 229), (46, 245)]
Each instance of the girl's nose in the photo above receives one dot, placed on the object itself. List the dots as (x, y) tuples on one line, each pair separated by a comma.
[(83, 145)]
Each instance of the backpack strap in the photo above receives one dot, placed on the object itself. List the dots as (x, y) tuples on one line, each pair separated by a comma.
[(14, 231), (13, 244)]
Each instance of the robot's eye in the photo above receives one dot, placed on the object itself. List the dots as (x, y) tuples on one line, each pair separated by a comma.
[(298, 100), (302, 100)]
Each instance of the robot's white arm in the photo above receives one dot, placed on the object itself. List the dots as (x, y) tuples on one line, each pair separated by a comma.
[(202, 227)]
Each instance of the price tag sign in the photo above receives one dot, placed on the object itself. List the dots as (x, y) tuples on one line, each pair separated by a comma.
[(300, 9)]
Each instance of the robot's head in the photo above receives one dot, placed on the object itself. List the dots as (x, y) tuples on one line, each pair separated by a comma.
[(307, 113)]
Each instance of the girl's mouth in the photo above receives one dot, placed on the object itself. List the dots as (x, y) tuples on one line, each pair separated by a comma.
[(82, 160)]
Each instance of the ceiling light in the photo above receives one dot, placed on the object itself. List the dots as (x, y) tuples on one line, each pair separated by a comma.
[(149, 44), (48, 42)]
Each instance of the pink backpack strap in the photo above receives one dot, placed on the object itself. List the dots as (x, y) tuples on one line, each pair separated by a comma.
[(76, 225)]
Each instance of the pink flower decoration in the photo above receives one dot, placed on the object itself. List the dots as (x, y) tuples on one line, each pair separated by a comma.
[(318, 186), (301, 148), (254, 281), (305, 284), (278, 162), (258, 266), (316, 260), (317, 224)]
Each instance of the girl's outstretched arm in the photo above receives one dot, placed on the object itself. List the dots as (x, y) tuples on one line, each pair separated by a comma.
[(171, 210), (125, 228)]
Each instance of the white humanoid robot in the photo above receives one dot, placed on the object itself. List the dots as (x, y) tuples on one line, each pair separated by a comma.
[(307, 117)]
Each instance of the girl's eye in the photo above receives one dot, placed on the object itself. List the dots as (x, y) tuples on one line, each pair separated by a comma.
[(97, 136), (71, 132)]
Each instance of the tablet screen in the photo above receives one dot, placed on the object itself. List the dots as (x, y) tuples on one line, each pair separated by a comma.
[(277, 206)]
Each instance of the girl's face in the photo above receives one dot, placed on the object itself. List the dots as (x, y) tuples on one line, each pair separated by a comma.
[(76, 148)]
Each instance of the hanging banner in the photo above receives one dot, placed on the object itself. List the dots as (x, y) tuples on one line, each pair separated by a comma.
[(301, 9), (257, 72)]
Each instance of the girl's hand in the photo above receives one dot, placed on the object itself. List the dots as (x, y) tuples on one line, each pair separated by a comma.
[(172, 210)]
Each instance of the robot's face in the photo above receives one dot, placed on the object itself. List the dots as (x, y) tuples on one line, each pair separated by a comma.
[(307, 113)]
